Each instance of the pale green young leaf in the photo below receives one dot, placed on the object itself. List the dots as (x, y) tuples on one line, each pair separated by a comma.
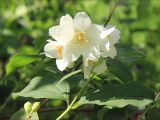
[(21, 115)]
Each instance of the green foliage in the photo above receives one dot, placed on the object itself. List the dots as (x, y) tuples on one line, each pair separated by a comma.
[(19, 61), (45, 87), (119, 96)]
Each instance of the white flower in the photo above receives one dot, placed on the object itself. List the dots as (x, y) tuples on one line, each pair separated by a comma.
[(79, 35), (74, 37), (109, 37)]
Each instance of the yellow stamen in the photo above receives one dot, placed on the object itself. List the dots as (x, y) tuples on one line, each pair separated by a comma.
[(80, 37), (59, 51), (90, 62)]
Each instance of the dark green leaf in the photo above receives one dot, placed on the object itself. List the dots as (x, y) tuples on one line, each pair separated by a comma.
[(119, 95), (119, 69), (45, 87)]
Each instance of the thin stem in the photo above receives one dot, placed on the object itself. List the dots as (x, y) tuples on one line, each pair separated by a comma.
[(80, 92), (69, 108), (111, 13), (64, 113)]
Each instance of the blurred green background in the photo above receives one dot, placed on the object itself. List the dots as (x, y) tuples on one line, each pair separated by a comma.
[(24, 28)]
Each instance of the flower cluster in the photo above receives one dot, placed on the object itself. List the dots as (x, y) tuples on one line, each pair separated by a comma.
[(78, 36)]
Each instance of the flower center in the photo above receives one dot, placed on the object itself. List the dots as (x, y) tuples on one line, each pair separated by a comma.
[(80, 37), (59, 49), (90, 62)]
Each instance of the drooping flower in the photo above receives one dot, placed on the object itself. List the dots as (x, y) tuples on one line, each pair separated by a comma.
[(109, 37), (74, 37)]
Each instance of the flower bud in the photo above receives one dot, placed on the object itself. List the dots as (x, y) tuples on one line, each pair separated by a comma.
[(28, 107), (35, 106)]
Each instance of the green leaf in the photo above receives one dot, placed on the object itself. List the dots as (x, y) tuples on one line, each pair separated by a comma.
[(119, 69), (119, 96), (45, 87), (20, 60), (21, 115)]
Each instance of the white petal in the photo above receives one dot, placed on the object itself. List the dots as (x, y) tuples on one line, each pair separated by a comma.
[(93, 35), (111, 52), (108, 50), (81, 21), (104, 44), (114, 36), (62, 64), (72, 52), (100, 27), (107, 32), (50, 49), (67, 19), (62, 32)]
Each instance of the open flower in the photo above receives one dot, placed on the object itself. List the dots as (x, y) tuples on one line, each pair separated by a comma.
[(79, 35)]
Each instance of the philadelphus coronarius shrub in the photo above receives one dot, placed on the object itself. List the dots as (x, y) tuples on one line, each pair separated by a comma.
[(79, 42), (78, 36)]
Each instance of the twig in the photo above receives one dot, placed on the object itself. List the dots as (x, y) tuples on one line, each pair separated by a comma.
[(111, 13), (44, 102), (44, 110), (62, 108)]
